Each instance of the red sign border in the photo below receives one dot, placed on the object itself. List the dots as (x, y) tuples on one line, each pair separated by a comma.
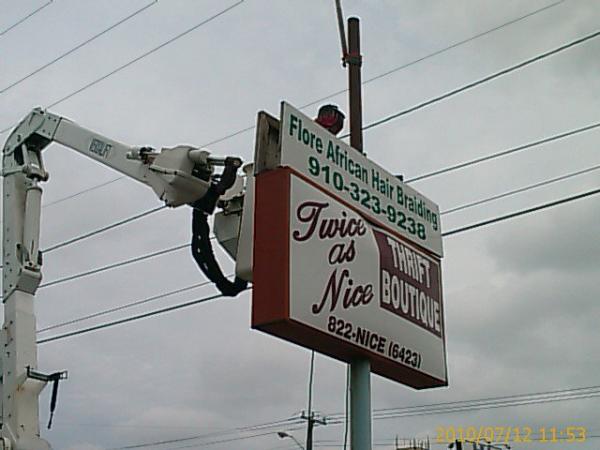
[(270, 297)]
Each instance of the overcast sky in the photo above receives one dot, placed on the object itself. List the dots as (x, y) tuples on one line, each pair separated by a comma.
[(521, 297)]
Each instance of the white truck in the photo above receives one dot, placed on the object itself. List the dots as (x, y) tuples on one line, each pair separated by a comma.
[(182, 175)]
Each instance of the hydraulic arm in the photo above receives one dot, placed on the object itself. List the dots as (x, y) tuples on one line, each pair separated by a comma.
[(179, 175)]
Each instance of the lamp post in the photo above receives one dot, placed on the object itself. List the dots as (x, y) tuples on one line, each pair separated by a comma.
[(283, 435)]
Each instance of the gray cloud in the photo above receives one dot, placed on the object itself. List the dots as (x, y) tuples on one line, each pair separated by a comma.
[(520, 297)]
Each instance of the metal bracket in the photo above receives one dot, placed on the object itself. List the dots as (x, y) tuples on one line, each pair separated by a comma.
[(54, 378), (267, 152), (355, 59), (34, 374)]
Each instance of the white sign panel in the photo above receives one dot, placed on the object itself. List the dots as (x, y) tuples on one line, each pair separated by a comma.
[(362, 285), (313, 151)]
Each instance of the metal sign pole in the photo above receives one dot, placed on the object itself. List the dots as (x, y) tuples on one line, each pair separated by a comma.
[(360, 404), (360, 369)]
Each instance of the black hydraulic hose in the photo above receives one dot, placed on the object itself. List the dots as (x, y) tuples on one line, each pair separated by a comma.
[(201, 246)]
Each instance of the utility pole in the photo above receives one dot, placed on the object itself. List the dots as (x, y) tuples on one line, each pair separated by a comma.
[(311, 419), (360, 369), (310, 416), (354, 61)]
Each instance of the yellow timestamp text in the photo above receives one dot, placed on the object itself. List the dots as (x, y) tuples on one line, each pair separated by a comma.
[(506, 434)]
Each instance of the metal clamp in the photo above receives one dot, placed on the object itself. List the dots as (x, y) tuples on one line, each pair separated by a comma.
[(34, 374), (53, 377)]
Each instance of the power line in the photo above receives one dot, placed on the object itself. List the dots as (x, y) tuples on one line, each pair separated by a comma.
[(28, 16), (543, 395), (272, 424), (454, 45), (538, 394), (458, 208), (386, 442), (488, 406), (114, 265), (447, 233), (124, 306), (484, 403), (139, 58), (77, 47), (520, 190), (570, 394), (482, 81), (203, 444), (103, 229), (76, 194), (521, 212), (418, 178), (505, 152), (421, 177), (403, 66), (478, 404), (129, 319)]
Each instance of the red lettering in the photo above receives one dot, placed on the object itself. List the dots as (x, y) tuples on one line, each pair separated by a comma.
[(312, 217), (328, 227), (353, 296)]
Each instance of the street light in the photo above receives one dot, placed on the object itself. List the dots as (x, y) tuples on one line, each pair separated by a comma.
[(283, 435)]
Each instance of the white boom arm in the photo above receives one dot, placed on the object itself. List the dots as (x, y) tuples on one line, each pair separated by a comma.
[(178, 175)]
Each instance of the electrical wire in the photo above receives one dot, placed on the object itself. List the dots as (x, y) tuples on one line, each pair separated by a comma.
[(376, 77), (367, 81), (267, 425), (77, 194), (519, 190), (584, 390), (114, 265), (386, 442), (77, 47), (498, 402), (140, 57), (420, 177), (204, 444), (479, 404), (129, 319), (190, 303), (20, 21), (486, 79), (494, 406), (102, 229), (124, 306), (541, 397), (447, 233), (505, 152), (403, 66), (521, 212)]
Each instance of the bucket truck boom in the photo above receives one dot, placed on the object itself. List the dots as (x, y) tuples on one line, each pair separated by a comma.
[(179, 175)]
